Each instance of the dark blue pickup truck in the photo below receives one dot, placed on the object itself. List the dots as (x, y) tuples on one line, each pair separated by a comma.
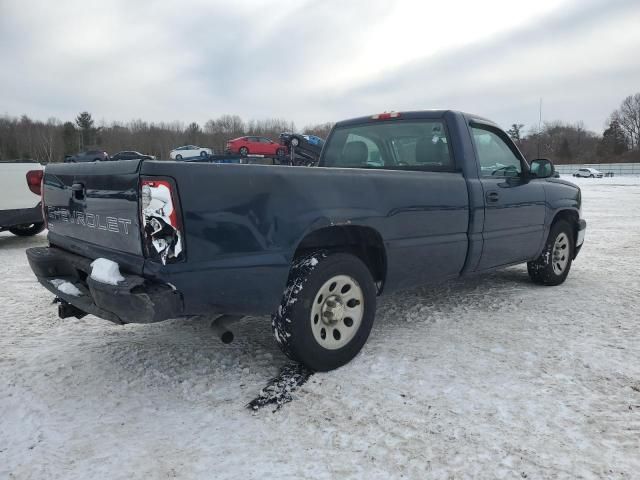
[(397, 200)]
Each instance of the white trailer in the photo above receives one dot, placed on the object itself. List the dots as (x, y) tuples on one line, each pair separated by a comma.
[(20, 210)]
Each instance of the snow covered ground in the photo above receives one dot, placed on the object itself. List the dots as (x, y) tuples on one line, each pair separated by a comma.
[(491, 377)]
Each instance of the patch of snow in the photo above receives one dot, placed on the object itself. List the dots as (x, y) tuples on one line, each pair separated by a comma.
[(106, 271), (486, 377), (65, 287)]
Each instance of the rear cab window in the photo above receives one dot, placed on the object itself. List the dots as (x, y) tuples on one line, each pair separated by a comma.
[(411, 144)]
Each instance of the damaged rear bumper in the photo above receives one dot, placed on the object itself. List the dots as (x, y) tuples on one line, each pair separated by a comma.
[(135, 300)]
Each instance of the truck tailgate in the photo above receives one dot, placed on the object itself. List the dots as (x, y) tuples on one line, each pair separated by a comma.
[(94, 203)]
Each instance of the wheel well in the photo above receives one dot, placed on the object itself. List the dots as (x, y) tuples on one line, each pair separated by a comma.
[(570, 216), (364, 242)]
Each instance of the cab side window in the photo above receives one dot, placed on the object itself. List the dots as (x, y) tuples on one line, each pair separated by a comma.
[(494, 154)]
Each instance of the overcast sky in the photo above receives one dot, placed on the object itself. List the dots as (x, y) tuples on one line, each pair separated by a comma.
[(320, 60)]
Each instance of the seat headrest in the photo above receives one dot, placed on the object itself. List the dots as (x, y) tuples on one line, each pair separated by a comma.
[(430, 151), (355, 154)]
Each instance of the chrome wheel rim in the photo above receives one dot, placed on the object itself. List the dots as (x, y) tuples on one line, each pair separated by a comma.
[(560, 255), (337, 312)]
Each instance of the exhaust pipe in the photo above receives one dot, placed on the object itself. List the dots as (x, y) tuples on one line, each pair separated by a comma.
[(222, 327), (66, 310)]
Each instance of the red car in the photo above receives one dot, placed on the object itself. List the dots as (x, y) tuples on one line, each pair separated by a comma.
[(255, 146)]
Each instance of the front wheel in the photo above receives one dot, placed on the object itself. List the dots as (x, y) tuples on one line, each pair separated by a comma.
[(327, 310), (280, 152), (178, 157), (203, 154), (554, 263), (27, 230)]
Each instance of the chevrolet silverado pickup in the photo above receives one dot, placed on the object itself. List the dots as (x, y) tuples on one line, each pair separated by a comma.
[(397, 200)]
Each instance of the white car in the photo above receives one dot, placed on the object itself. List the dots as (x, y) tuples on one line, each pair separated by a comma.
[(588, 173), (189, 151)]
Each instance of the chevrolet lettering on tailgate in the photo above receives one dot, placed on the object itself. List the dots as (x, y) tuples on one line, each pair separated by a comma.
[(88, 220)]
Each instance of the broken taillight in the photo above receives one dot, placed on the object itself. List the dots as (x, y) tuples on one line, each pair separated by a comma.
[(161, 224), (34, 180)]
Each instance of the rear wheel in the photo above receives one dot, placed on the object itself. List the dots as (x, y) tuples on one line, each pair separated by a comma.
[(553, 265), (27, 230), (280, 152), (327, 310), (244, 151)]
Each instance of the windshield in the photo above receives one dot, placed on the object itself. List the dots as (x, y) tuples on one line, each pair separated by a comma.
[(397, 144)]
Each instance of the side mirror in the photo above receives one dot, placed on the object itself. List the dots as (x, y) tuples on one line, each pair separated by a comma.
[(542, 168)]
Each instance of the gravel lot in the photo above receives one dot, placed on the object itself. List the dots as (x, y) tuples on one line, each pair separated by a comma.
[(490, 377)]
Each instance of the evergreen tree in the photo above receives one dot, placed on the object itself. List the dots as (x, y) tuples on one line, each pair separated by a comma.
[(85, 123), (614, 140), (69, 138), (514, 132)]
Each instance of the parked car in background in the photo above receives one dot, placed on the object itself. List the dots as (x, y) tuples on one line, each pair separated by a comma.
[(131, 155), (588, 173), (88, 156), (252, 145), (20, 208), (189, 151), (307, 148)]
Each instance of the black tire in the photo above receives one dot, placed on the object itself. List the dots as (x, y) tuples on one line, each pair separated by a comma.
[(203, 154), (292, 324), (27, 230), (591, 176), (244, 151), (178, 157), (542, 269), (280, 152), (96, 159)]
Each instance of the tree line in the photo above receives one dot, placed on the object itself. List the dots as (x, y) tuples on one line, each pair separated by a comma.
[(567, 143), (50, 140), (22, 138)]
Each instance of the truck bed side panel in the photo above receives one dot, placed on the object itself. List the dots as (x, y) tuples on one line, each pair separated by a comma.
[(243, 224)]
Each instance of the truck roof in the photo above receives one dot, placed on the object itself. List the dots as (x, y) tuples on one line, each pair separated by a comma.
[(418, 114)]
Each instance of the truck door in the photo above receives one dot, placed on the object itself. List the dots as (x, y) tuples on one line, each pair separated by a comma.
[(514, 205)]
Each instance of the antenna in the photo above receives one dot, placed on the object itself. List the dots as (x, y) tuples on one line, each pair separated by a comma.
[(539, 126)]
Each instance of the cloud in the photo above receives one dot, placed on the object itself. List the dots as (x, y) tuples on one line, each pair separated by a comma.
[(317, 61), (579, 61)]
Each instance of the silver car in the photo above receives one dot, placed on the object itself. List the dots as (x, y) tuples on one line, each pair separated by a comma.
[(588, 173)]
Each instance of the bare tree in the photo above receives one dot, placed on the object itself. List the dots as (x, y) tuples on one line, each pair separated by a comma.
[(628, 117), (48, 141)]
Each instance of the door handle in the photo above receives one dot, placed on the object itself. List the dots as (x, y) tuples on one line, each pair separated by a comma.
[(492, 197), (77, 190)]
